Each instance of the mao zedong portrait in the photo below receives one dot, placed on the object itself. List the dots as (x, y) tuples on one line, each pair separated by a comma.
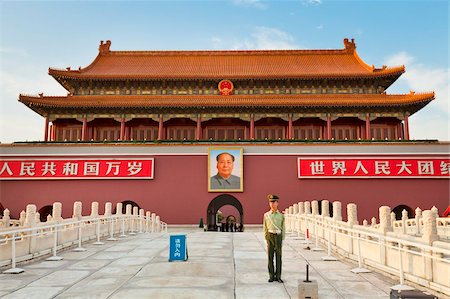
[(224, 179)]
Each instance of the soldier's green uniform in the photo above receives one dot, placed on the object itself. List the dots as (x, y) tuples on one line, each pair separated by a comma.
[(274, 232)]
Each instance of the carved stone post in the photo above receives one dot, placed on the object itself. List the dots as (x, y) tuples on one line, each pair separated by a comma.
[(108, 209), (77, 210), (307, 207), (57, 211), (404, 219), (6, 218), (337, 211), (385, 221), (119, 208), (94, 209), (352, 214), (417, 218), (325, 208), (315, 207), (429, 227)]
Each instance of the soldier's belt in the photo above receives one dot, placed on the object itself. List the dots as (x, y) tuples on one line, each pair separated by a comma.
[(274, 231)]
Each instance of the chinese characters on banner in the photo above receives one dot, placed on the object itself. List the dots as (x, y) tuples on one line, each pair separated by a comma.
[(29, 169), (373, 168)]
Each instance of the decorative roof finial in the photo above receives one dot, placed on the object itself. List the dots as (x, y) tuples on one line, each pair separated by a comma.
[(104, 47), (349, 45)]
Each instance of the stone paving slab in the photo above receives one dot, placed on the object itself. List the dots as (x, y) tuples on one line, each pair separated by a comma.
[(220, 265)]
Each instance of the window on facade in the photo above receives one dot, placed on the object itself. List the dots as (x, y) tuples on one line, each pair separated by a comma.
[(307, 132), (225, 133), (69, 133), (380, 132), (270, 132), (181, 133), (342, 132), (106, 133), (144, 133)]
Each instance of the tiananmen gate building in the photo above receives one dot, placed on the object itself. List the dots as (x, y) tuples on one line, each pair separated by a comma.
[(148, 127)]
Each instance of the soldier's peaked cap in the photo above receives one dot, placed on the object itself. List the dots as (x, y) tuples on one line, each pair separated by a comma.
[(272, 197)]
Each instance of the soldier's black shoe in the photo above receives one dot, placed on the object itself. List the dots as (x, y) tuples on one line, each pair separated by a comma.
[(271, 279), (280, 280)]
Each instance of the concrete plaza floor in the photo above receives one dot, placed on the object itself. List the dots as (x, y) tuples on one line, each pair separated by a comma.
[(220, 265)]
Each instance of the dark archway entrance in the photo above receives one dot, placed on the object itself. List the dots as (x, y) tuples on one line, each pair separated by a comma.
[(44, 212), (124, 206), (399, 209), (217, 203)]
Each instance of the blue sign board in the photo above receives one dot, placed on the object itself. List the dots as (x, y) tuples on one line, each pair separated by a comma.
[(178, 248)]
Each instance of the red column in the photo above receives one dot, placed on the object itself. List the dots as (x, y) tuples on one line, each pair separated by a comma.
[(400, 131), (54, 132), (84, 130), (160, 127), (46, 129), (368, 137), (252, 127), (122, 129), (406, 128), (329, 126), (199, 128), (289, 134)]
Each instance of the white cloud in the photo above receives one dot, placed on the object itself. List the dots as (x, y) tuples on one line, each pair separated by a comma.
[(320, 27), (311, 2), (266, 38), (433, 121), (250, 3)]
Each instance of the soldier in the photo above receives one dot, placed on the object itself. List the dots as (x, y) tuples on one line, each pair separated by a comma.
[(274, 233)]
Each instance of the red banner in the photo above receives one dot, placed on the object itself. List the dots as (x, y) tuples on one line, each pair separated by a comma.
[(76, 169), (373, 168)]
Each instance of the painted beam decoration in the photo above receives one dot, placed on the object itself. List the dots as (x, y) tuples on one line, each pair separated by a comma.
[(373, 167), (76, 169)]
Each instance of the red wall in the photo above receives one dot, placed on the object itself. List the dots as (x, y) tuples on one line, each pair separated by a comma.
[(178, 193)]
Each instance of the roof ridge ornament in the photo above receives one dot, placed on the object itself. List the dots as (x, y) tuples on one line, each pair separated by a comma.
[(350, 46), (104, 47)]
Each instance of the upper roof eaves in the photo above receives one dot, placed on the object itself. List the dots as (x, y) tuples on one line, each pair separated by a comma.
[(229, 64)]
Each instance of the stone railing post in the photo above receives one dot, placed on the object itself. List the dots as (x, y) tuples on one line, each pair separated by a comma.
[(119, 208), (30, 216), (77, 210), (301, 208), (57, 212), (147, 221), (94, 209), (22, 217), (352, 214), (337, 211), (315, 207), (393, 218), (6, 218), (30, 221), (141, 220), (385, 221), (417, 218), (325, 208), (158, 224), (307, 207), (153, 222), (429, 227), (108, 209), (373, 222), (404, 219)]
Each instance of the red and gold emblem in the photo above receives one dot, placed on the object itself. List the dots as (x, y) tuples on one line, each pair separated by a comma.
[(225, 87)]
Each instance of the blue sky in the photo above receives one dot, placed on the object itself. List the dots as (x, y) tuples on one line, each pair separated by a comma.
[(35, 35)]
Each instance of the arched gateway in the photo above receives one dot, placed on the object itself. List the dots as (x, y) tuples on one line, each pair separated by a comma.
[(217, 203)]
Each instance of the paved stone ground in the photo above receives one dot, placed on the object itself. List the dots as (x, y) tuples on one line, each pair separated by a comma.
[(220, 265)]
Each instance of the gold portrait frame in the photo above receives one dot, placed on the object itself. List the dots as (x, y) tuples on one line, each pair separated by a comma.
[(238, 168)]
